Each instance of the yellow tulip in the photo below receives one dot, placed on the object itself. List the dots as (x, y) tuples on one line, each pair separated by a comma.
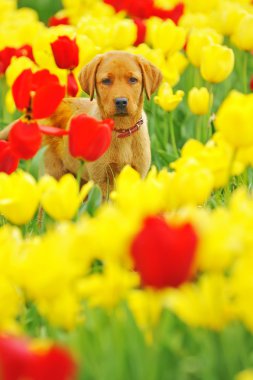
[(127, 31), (243, 34), (194, 20), (166, 99), (217, 63), (19, 197), (168, 37), (193, 182), (200, 6), (234, 119), (199, 100), (226, 18), (205, 303), (197, 40), (61, 199), (152, 24), (247, 374)]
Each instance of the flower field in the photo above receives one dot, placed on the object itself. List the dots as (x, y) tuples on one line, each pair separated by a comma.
[(153, 281)]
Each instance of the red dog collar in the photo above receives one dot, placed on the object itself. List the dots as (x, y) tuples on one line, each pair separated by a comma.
[(128, 132)]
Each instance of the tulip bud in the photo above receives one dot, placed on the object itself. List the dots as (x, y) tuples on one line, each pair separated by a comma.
[(199, 100), (65, 52), (89, 138), (166, 99), (217, 63)]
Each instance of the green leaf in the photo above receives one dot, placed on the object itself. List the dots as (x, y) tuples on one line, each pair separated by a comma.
[(93, 202)]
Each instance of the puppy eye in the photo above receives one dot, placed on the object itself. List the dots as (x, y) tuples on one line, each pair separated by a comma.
[(133, 80), (106, 81)]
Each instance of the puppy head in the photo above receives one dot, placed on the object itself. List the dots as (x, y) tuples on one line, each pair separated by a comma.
[(119, 79)]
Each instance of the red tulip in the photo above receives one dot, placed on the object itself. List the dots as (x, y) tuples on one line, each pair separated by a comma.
[(52, 131), (65, 53), (25, 139), (164, 255), (55, 21), (7, 53), (174, 14), (146, 8), (18, 361), (8, 159), (5, 58), (52, 364), (141, 31), (89, 138), (37, 94), (25, 51), (72, 87), (251, 84)]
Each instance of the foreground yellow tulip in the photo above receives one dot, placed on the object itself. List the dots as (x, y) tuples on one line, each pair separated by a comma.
[(234, 119), (199, 100), (19, 197), (217, 63), (62, 199), (166, 99), (245, 375)]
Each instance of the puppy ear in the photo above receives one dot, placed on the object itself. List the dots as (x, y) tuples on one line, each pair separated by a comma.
[(152, 76), (87, 76)]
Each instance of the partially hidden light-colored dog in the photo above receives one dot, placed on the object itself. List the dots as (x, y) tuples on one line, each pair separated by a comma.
[(119, 80)]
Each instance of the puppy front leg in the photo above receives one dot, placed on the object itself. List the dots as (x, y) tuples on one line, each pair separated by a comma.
[(53, 164)]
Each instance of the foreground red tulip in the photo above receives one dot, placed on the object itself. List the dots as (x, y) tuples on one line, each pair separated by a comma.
[(89, 138), (25, 139), (66, 53), (38, 94), (8, 159), (54, 363), (14, 358), (164, 255), (19, 361)]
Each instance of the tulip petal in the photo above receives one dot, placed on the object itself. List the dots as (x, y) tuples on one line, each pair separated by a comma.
[(21, 89), (25, 139), (8, 159), (52, 131), (46, 100)]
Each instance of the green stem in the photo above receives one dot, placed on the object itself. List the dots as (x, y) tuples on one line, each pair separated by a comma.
[(206, 133), (244, 71), (230, 169), (80, 172), (199, 128), (172, 135), (165, 132)]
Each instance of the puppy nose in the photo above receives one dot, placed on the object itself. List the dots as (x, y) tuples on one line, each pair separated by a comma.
[(121, 103)]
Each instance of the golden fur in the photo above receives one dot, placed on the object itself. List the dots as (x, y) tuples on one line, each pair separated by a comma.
[(133, 150)]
